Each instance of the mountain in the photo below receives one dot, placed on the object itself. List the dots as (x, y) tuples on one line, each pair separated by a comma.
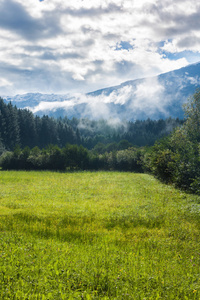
[(154, 97)]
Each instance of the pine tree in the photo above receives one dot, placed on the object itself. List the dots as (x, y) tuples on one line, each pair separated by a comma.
[(28, 134)]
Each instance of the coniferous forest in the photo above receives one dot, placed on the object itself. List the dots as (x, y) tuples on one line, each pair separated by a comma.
[(167, 148), (21, 127)]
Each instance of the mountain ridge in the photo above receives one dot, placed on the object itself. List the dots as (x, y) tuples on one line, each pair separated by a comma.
[(152, 97)]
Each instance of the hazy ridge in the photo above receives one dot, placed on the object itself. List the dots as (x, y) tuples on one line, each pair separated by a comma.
[(154, 97)]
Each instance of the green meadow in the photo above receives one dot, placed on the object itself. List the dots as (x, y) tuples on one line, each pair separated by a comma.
[(97, 235)]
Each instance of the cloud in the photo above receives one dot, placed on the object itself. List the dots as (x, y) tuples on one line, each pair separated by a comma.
[(124, 101), (79, 46), (4, 82), (149, 96), (15, 18)]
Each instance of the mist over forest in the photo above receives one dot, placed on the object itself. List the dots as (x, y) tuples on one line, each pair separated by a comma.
[(22, 127)]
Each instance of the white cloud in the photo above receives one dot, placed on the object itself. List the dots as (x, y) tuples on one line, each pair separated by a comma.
[(149, 96), (78, 77), (62, 46), (52, 106), (4, 82)]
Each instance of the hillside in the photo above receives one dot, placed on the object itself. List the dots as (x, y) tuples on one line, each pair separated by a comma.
[(155, 97)]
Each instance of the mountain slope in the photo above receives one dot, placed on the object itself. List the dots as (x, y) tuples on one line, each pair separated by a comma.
[(155, 97)]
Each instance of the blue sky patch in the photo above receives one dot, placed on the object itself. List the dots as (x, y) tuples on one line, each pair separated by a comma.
[(123, 45)]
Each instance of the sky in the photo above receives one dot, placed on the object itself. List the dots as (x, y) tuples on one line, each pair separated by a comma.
[(79, 46)]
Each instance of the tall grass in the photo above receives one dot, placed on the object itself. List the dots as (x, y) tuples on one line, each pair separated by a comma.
[(104, 235)]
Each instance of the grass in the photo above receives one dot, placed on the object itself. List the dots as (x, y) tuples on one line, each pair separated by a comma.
[(103, 235)]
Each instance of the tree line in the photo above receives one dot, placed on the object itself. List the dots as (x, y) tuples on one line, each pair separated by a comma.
[(71, 157), (176, 158)]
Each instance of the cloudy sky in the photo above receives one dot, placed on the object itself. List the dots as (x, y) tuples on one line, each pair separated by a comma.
[(78, 46)]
